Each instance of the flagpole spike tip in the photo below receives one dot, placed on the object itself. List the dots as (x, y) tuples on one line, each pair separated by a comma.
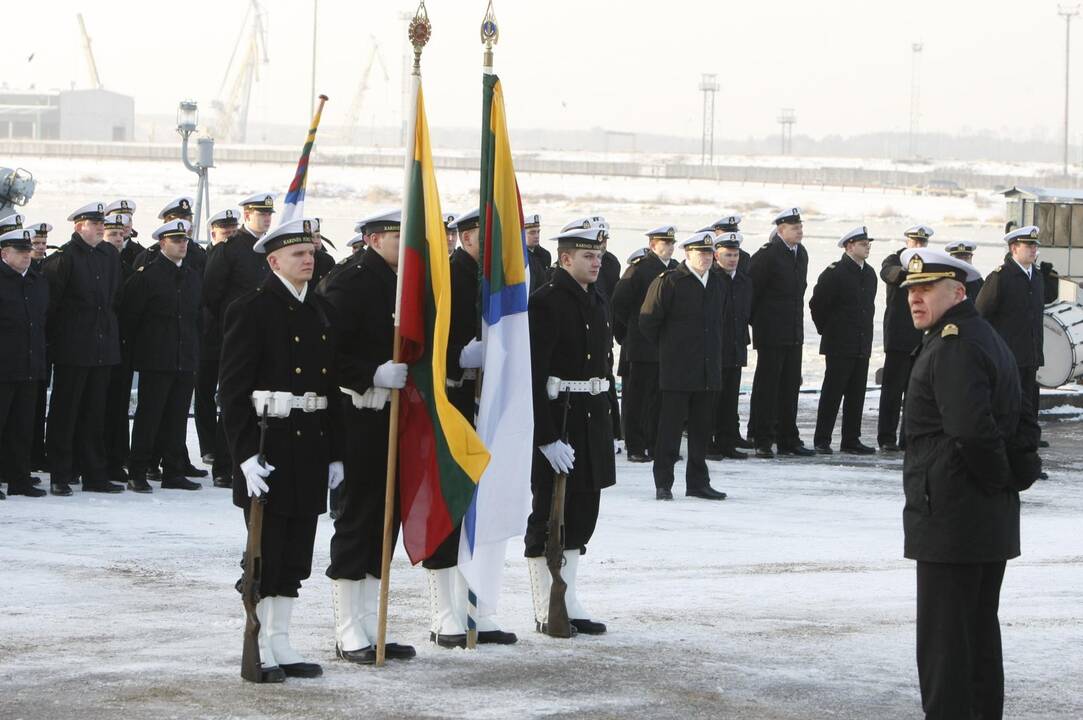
[(324, 98), (419, 33), (490, 35)]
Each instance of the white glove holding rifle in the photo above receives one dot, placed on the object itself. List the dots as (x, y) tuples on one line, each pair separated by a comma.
[(335, 474), (255, 476), (560, 455)]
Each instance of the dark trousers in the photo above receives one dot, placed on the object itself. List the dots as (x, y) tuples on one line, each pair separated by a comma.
[(960, 665), (161, 422), (38, 458), (1028, 412), (76, 420), (286, 547), (726, 423), (640, 408), (357, 545), (775, 388), (844, 383), (17, 403), (117, 400), (697, 408), (206, 410), (892, 387), (580, 511)]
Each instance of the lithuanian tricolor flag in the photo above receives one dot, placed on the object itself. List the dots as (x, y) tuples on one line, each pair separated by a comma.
[(441, 458)]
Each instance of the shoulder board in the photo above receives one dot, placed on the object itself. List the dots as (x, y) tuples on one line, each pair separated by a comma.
[(141, 268), (765, 246), (949, 330), (833, 265), (998, 268)]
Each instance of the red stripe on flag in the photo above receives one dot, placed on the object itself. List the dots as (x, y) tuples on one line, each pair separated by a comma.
[(426, 521)]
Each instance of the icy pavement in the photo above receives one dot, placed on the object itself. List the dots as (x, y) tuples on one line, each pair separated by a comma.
[(790, 599)]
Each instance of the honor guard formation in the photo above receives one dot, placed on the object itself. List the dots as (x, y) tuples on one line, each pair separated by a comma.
[(287, 358)]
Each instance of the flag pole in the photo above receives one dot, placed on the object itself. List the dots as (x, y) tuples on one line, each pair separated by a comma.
[(490, 34), (419, 32)]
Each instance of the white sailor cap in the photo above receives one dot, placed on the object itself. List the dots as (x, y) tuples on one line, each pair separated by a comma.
[(386, 221), (173, 228), (637, 255), (226, 218), (960, 246), (467, 221), (596, 222), (11, 222), (261, 201), (449, 220), (1027, 234), (856, 235), (927, 265), (789, 216), (698, 241), (18, 238), (728, 223), (117, 221), (581, 239), (358, 239), (531, 221), (731, 240), (120, 206), (90, 211), (40, 229), (665, 232), (179, 207), (293, 232), (919, 232)]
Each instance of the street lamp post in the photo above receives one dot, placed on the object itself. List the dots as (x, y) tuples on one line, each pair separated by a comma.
[(187, 118), (1067, 12)]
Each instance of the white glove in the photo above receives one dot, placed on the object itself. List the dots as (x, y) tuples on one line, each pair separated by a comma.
[(470, 356), (560, 455), (618, 447), (254, 475), (335, 474), (372, 399), (391, 375)]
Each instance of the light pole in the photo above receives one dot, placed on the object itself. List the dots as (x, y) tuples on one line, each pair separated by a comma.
[(187, 117), (1067, 12)]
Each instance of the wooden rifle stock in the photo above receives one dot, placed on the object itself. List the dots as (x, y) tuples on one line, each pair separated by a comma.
[(251, 665), (558, 623)]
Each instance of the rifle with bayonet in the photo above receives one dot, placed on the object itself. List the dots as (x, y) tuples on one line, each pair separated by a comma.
[(251, 666), (558, 624)]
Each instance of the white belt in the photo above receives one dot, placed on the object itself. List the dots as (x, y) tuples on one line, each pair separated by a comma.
[(468, 374), (280, 403), (554, 386)]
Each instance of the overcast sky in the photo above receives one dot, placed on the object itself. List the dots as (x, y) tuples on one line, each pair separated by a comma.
[(995, 65)]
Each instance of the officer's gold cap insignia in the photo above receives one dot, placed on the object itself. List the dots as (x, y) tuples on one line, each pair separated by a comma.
[(949, 330), (915, 265)]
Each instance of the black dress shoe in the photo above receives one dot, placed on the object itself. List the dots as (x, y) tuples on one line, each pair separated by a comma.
[(743, 444), (448, 641), (102, 487), (889, 447), (824, 450), (119, 476), (25, 488), (764, 452), (139, 485), (734, 454), (154, 474), (1043, 475), (706, 492), (636, 457), (223, 481), (301, 670), (496, 637), (589, 627), (395, 651), (60, 489), (663, 494), (272, 674), (364, 656), (714, 456), (1043, 443), (180, 483), (798, 450), (857, 448), (35, 480), (191, 470)]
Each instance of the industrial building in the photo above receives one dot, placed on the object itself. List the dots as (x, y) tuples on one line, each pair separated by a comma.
[(96, 115)]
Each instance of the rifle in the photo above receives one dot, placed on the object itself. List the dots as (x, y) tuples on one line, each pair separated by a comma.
[(251, 666), (558, 624)]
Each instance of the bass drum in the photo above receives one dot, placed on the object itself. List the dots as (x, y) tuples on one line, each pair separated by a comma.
[(1063, 344)]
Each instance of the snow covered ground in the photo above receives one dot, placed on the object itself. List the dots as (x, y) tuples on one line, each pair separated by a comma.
[(790, 599)]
